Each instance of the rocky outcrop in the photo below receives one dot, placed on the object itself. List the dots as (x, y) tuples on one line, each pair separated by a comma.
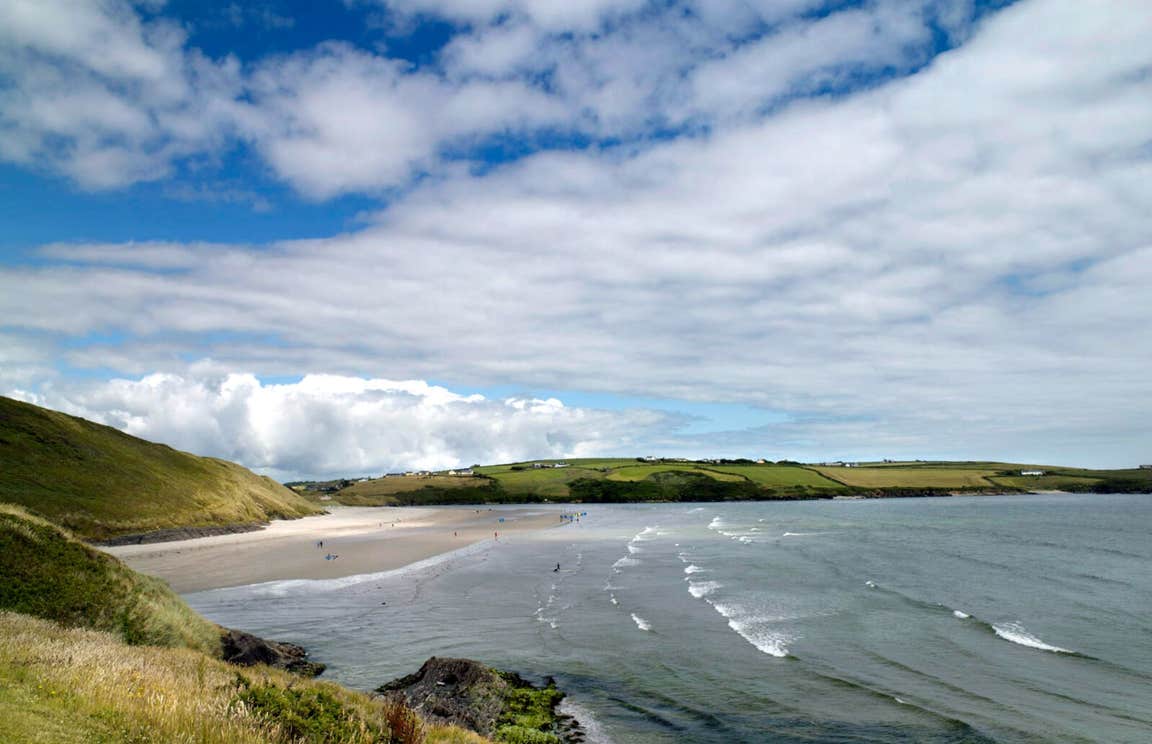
[(246, 649), (466, 693)]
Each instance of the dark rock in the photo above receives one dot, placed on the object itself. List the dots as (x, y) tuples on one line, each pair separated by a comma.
[(460, 692), (246, 649), (466, 693)]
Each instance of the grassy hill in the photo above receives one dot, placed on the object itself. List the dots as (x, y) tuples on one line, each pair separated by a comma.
[(100, 482), (631, 479), (50, 574)]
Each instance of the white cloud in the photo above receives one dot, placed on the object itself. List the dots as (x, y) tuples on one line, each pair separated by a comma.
[(573, 15), (961, 254), (324, 425)]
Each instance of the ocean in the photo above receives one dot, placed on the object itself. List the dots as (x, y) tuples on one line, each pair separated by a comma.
[(964, 619)]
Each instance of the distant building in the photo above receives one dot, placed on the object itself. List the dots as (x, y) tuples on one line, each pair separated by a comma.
[(1146, 467), (1031, 472), (560, 465), (462, 471)]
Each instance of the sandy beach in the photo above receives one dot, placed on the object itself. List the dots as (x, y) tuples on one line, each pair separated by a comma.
[(361, 539)]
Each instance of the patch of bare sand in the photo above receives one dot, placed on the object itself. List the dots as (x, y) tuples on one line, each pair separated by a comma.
[(360, 539)]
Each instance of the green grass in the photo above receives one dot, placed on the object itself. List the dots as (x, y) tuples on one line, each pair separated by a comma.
[(914, 477), (779, 476), (384, 491), (63, 685), (640, 472), (100, 482), (50, 574)]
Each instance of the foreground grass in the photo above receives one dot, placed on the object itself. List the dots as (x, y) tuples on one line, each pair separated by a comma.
[(100, 482), (62, 684)]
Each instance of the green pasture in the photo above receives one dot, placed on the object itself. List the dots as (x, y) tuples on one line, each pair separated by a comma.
[(918, 477)]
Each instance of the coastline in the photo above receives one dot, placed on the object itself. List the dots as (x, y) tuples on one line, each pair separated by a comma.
[(362, 539)]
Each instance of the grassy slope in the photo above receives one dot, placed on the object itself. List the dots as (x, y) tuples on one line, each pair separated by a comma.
[(92, 651), (383, 491), (100, 482), (891, 477), (65, 685), (50, 574)]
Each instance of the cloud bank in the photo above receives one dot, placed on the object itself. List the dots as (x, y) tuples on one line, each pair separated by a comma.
[(334, 426)]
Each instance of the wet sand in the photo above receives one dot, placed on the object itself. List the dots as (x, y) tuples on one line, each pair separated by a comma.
[(365, 539)]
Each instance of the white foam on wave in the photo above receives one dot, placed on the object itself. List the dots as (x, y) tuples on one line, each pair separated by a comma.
[(745, 539), (870, 584), (613, 599), (801, 534), (624, 563), (700, 589), (692, 568), (647, 533), (716, 523), (593, 732), (641, 623), (695, 510), (1016, 633), (752, 629), (633, 550), (960, 614)]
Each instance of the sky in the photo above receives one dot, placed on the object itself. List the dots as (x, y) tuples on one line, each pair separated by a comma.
[(344, 238)]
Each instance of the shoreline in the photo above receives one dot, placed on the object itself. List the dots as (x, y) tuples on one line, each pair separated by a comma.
[(348, 541)]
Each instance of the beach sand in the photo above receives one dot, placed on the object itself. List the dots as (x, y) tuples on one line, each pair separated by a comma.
[(366, 539)]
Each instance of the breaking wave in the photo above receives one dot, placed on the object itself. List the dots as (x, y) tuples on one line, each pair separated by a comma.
[(641, 623), (701, 589), (1016, 633)]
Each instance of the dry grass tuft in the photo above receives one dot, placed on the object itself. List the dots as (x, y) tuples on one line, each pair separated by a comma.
[(89, 686)]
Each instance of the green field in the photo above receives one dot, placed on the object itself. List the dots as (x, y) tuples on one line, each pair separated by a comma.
[(100, 482), (383, 491), (779, 476), (911, 477), (521, 481), (640, 472)]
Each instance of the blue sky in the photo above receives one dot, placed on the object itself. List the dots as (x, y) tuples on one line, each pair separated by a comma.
[(433, 232)]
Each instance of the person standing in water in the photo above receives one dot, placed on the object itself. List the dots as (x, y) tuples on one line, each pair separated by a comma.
[(557, 569)]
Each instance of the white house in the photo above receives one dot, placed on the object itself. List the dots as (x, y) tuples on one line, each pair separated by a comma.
[(1031, 472)]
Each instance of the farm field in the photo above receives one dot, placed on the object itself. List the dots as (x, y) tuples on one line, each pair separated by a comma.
[(779, 476), (380, 490), (915, 477), (640, 472), (541, 480)]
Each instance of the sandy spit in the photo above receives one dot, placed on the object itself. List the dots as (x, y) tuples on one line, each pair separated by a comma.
[(362, 539)]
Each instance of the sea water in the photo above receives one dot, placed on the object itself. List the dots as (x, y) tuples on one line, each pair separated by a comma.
[(964, 619)]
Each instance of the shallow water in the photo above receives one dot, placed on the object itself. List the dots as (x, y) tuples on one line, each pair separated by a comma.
[(965, 619)]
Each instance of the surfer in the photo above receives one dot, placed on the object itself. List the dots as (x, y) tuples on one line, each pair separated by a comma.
[(557, 569)]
